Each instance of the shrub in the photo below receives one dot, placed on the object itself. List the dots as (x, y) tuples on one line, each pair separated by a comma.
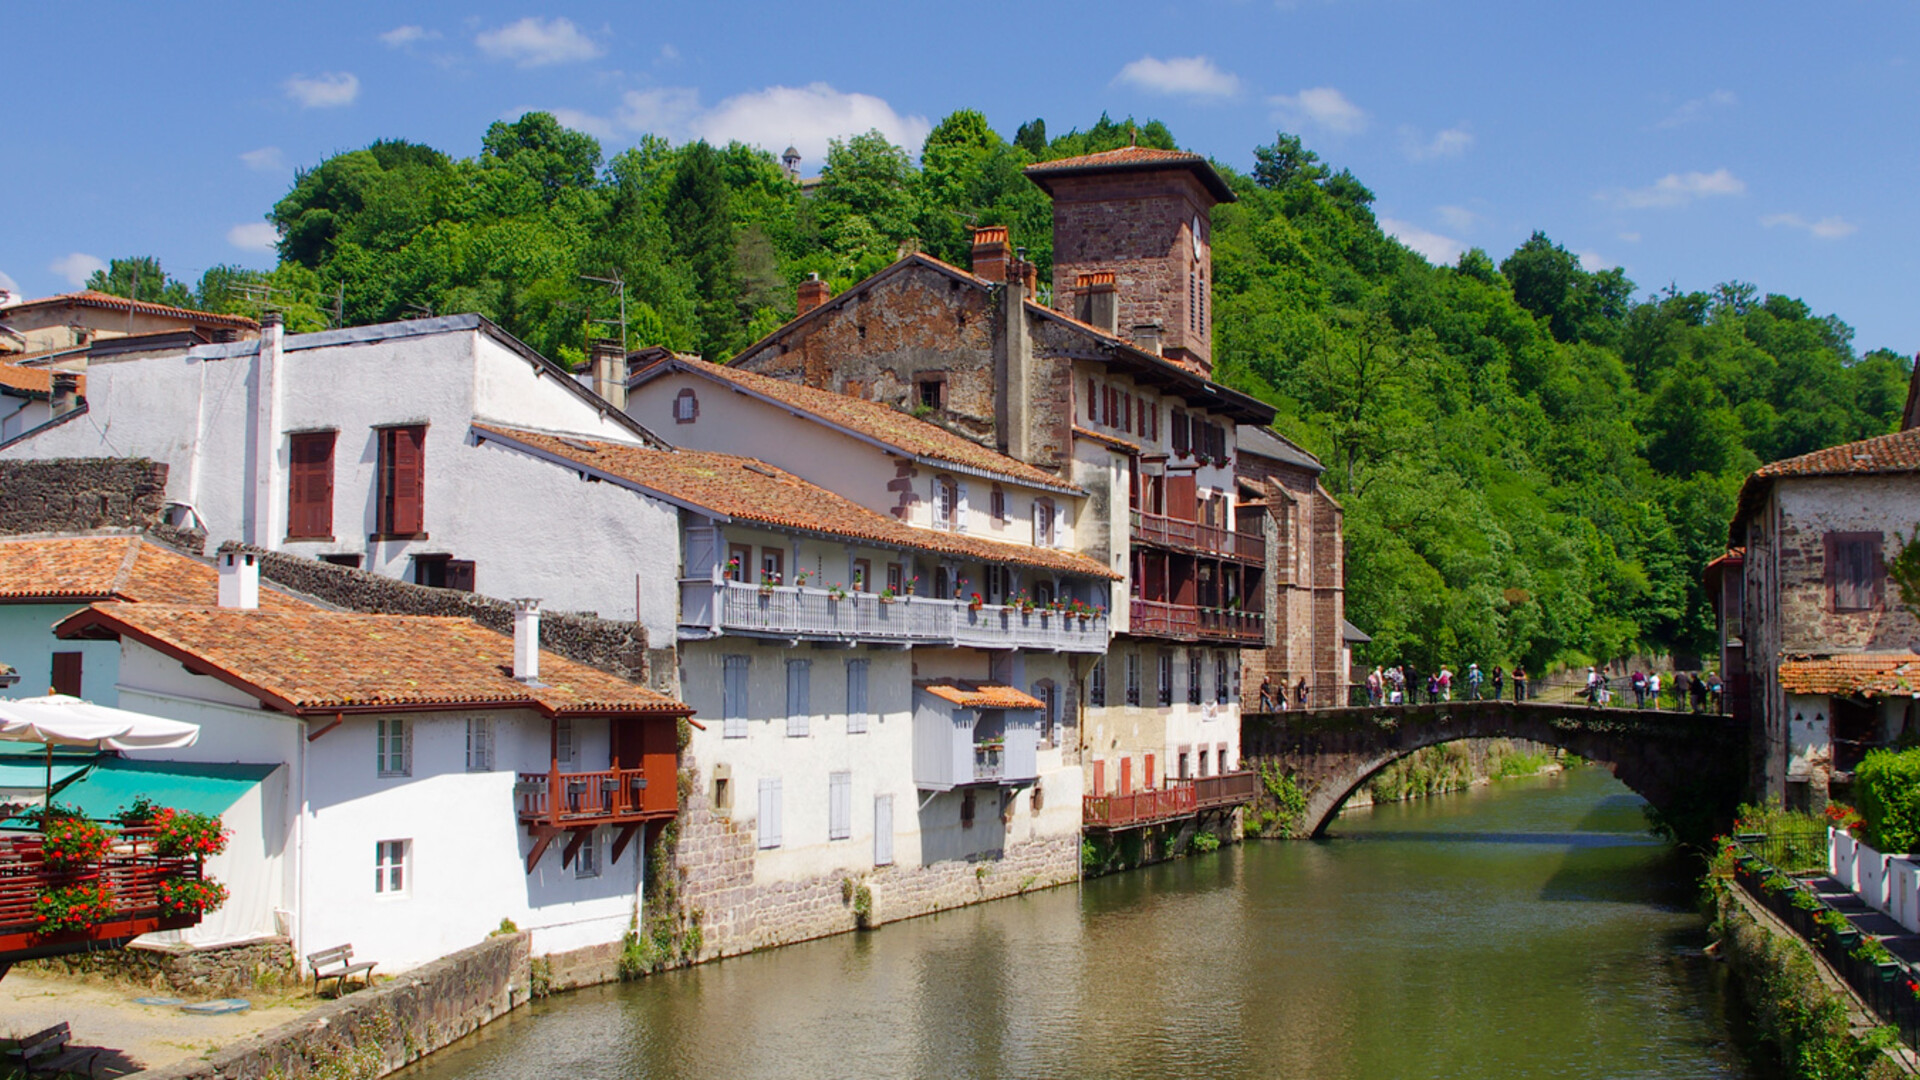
[(1205, 842), (72, 842), (1887, 785), (190, 896), (142, 812), (73, 907), (182, 833)]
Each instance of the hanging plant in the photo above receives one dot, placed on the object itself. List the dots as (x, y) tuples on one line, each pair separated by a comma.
[(73, 907), (190, 896), (73, 842), (184, 834)]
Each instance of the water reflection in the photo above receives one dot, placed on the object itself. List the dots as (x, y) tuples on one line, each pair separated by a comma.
[(1533, 930)]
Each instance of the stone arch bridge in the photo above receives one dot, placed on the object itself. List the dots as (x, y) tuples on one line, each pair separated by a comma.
[(1693, 769)]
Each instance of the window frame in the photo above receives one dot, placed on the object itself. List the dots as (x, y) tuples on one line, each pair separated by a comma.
[(1870, 594), (480, 744), (734, 714), (393, 869), (303, 477), (393, 747), (390, 473), (586, 861)]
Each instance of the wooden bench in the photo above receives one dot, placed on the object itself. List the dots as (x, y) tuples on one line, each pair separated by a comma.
[(48, 1051), (343, 956)]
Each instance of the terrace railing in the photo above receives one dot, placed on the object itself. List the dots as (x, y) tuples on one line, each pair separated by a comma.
[(131, 872), (603, 796), (1197, 537), (806, 612)]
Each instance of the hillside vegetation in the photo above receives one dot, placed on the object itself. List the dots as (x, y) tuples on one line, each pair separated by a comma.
[(1536, 461)]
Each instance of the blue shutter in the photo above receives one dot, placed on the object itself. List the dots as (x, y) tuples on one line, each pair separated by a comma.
[(839, 805), (799, 696), (856, 697), (769, 812), (733, 697), (883, 830)]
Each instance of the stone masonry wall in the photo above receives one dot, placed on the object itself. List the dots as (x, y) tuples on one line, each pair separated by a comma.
[(370, 1033), (611, 645), (716, 861), (220, 971), (68, 495), (1305, 589), (1136, 225)]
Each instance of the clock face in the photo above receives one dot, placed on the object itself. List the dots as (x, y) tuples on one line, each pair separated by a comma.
[(1196, 236)]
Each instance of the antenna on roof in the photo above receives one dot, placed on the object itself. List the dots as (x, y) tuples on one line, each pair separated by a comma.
[(619, 287), (425, 310)]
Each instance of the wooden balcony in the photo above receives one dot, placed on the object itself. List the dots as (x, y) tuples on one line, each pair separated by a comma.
[(131, 872), (1154, 618), (1178, 799), (1197, 537), (606, 797), (809, 613)]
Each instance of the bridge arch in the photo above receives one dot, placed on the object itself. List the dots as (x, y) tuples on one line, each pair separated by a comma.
[(1692, 769)]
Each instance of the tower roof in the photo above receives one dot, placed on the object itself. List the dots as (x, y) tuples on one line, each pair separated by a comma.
[(1130, 159)]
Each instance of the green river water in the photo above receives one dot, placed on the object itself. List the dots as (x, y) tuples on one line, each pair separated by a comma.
[(1527, 929)]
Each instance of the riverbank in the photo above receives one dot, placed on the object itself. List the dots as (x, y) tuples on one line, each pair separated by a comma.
[(1455, 766)]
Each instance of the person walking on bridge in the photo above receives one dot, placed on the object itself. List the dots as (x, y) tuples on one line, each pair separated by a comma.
[(1446, 683), (1300, 691), (1653, 688), (1697, 693), (1499, 681), (1679, 691), (1519, 683), (1413, 683), (1474, 678), (1376, 685), (1639, 689), (1266, 693)]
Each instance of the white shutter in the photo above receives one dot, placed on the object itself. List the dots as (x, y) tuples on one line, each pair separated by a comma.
[(769, 812), (839, 805), (883, 830), (856, 697), (960, 509), (1059, 526), (733, 693), (799, 696), (1039, 518)]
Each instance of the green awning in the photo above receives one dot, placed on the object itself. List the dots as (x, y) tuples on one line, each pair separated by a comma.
[(201, 787), (28, 772)]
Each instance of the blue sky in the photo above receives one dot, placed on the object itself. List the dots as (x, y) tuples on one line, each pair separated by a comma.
[(1690, 143)]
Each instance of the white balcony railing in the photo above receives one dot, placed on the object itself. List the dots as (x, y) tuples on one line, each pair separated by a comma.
[(806, 612)]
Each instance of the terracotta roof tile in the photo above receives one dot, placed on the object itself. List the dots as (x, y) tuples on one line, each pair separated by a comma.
[(1114, 441), (91, 298), (321, 661), (1898, 452), (1851, 675), (748, 490), (914, 437), (88, 568), (1130, 159), (969, 695)]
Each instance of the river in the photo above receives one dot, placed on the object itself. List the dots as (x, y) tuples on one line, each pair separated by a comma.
[(1528, 929)]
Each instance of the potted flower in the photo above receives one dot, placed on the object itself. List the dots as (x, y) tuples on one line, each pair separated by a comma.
[(190, 896), (733, 569), (184, 834), (887, 595), (768, 579), (70, 843), (800, 577), (836, 591), (68, 908), (976, 602), (911, 582)]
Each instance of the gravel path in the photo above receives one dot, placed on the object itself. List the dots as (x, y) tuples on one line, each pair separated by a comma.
[(133, 1036)]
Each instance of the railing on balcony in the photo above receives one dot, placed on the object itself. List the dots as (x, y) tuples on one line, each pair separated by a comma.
[(989, 762), (1154, 618), (131, 872), (607, 796), (1227, 789), (804, 611), (1179, 798), (1199, 537)]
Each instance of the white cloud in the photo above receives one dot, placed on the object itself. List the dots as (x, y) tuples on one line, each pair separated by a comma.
[(1452, 142), (77, 267), (807, 118), (265, 159), (1321, 105), (1678, 189), (597, 126), (669, 54), (401, 36), (1193, 76), (257, 236), (535, 42), (1698, 109), (665, 111), (1458, 218), (324, 91), (1593, 262), (1827, 228), (1439, 250)]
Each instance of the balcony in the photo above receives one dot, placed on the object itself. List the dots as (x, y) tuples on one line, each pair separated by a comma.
[(800, 611), (1154, 618), (1197, 537), (605, 797), (956, 745), (131, 873), (1178, 799)]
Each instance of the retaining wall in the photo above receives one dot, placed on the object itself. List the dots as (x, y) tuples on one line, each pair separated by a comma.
[(70, 495), (217, 971)]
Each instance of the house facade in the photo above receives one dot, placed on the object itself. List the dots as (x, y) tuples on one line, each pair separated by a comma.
[(1831, 648), (1308, 636), (79, 319)]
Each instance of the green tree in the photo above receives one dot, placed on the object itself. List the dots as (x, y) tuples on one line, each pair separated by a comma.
[(140, 277), (701, 221)]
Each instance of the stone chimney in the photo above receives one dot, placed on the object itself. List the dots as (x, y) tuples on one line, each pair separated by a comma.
[(65, 393), (239, 580), (1014, 369), (813, 293), (990, 252), (609, 361), (1147, 336), (1097, 301), (526, 640)]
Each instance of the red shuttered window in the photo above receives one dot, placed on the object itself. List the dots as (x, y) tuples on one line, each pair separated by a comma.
[(310, 484), (402, 481)]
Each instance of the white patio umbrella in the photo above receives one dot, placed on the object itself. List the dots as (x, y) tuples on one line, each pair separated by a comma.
[(60, 720)]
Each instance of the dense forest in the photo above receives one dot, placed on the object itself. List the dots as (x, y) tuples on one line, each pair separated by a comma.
[(1536, 461)]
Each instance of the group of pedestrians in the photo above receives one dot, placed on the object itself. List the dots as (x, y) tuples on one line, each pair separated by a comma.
[(1272, 698), (1403, 684), (1699, 692)]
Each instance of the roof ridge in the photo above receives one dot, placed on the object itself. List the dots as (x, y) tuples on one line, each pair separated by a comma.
[(125, 572)]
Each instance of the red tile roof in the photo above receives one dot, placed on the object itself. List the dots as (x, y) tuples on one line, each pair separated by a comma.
[(1114, 441), (1880, 455), (88, 568), (1131, 159), (317, 661), (911, 436), (91, 298), (1853, 675), (970, 695), (748, 490)]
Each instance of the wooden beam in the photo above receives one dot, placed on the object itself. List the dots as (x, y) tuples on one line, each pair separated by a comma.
[(573, 846), (542, 836), (621, 841)]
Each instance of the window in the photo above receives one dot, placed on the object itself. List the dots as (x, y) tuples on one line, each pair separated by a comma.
[(1220, 688), (839, 805), (1178, 432), (739, 561), (895, 577), (863, 575), (686, 406), (1220, 761), (799, 696), (733, 696), (402, 470), (998, 585), (1043, 592), (1856, 575), (942, 583), (930, 392), (723, 790), (1203, 764), (966, 809), (946, 502), (1097, 683), (769, 830), (479, 744), (563, 739), (443, 572), (1185, 764), (773, 563), (857, 714), (586, 862), (1049, 697), (1133, 679), (66, 674), (997, 509), (1043, 523), (1193, 677), (393, 747), (351, 562), (310, 486), (1166, 677), (1093, 402), (390, 867)]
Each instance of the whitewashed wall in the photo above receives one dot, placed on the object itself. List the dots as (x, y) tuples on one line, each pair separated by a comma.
[(27, 642)]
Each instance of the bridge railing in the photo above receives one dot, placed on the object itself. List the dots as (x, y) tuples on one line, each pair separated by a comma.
[(1619, 695)]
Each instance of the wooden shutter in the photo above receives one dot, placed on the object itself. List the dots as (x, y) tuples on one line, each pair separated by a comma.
[(799, 695), (402, 476), (1099, 778), (310, 487), (883, 830), (839, 805), (1093, 402), (769, 812), (733, 697), (1126, 776), (66, 674), (856, 697), (1182, 496), (1147, 777)]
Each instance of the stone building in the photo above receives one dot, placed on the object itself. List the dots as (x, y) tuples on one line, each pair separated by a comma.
[(76, 320), (1831, 650), (1307, 630), (1110, 390)]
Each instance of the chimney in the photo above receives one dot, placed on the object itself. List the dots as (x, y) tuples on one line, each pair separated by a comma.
[(990, 252), (526, 640), (269, 488), (1146, 337), (239, 580), (65, 393), (1097, 301), (610, 371), (1014, 363), (813, 293)]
